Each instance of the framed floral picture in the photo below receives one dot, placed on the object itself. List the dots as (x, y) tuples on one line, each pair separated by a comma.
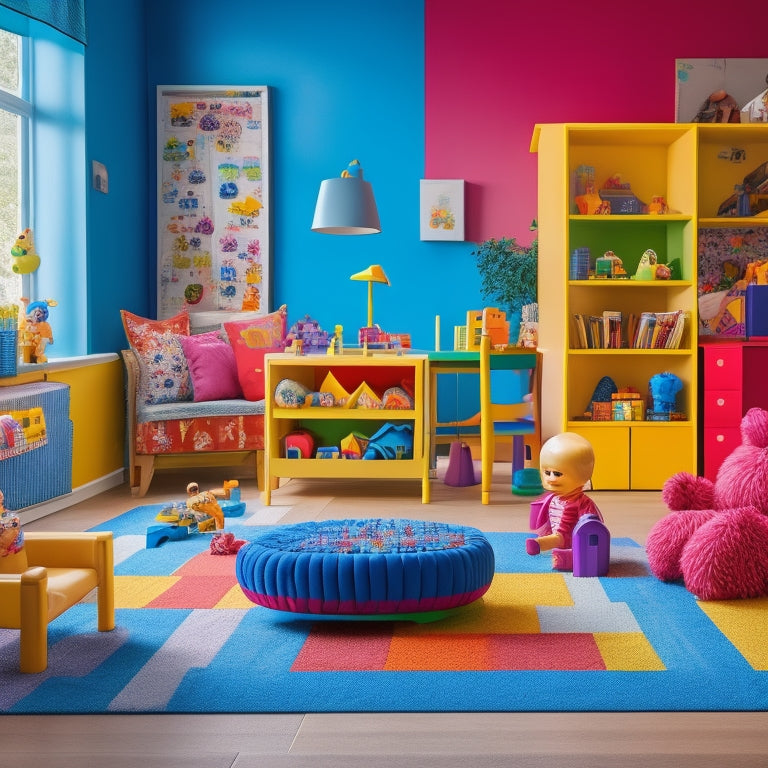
[(441, 209)]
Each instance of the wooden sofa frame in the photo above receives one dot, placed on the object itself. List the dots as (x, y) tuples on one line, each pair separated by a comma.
[(141, 467)]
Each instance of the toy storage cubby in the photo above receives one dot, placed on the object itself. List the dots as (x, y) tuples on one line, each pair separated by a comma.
[(329, 424), (656, 160)]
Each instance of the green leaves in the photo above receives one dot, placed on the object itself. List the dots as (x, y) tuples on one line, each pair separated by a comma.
[(508, 272)]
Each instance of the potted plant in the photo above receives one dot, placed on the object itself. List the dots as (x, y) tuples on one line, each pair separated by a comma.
[(508, 272)]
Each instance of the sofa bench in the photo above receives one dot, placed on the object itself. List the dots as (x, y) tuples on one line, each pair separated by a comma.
[(188, 433)]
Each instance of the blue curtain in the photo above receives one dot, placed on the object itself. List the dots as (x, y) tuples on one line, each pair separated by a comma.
[(68, 16)]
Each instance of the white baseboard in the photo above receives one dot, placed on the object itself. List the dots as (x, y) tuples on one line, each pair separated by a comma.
[(36, 511)]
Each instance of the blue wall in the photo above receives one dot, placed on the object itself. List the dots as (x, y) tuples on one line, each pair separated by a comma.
[(117, 131), (347, 81)]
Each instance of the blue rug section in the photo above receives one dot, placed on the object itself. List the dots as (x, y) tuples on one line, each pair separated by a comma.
[(239, 660)]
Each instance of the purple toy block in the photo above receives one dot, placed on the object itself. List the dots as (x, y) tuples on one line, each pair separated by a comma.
[(591, 547), (461, 468)]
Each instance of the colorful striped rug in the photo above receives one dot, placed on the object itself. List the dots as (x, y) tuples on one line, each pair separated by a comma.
[(187, 640)]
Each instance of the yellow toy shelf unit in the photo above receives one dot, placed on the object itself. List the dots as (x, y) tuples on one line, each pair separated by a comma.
[(345, 406)]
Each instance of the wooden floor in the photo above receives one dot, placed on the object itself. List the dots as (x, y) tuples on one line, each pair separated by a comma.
[(476, 740)]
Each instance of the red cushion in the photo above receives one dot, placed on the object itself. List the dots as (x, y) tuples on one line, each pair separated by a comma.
[(251, 340)]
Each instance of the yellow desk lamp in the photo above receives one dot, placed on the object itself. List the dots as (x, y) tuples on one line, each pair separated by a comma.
[(374, 274)]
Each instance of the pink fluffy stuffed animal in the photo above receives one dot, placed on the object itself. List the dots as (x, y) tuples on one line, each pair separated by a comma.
[(716, 535)]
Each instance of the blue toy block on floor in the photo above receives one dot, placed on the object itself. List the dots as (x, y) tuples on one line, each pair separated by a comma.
[(162, 532)]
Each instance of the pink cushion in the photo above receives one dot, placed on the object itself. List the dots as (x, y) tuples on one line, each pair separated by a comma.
[(251, 340), (212, 367), (163, 372)]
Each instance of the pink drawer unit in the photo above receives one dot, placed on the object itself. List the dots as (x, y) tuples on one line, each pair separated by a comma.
[(718, 443), (722, 408), (722, 367)]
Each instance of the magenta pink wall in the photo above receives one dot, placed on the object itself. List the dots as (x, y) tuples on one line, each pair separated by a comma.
[(495, 68)]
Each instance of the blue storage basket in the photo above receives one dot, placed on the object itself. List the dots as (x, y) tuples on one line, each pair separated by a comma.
[(8, 352)]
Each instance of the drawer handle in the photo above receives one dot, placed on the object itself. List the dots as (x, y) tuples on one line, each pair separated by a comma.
[(720, 438), (721, 401), (720, 362)]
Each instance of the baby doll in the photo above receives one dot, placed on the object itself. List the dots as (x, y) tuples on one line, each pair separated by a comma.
[(566, 462)]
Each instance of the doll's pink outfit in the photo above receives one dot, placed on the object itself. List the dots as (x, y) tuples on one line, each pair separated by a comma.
[(559, 514)]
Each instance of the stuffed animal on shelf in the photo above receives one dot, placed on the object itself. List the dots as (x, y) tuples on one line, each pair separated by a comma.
[(716, 536)]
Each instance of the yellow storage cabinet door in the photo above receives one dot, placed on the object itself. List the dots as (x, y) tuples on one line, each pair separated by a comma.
[(608, 440), (657, 454)]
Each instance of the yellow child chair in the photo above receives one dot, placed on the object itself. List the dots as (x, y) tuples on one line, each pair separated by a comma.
[(501, 418), (51, 573)]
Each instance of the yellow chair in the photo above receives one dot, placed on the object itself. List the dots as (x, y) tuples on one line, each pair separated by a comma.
[(53, 572), (501, 415)]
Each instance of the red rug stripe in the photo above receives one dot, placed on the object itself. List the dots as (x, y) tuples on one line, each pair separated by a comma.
[(363, 647)]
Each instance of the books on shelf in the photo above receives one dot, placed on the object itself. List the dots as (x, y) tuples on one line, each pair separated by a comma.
[(660, 330), (599, 331), (612, 330)]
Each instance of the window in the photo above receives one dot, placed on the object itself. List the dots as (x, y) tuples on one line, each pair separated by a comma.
[(43, 183), (15, 113)]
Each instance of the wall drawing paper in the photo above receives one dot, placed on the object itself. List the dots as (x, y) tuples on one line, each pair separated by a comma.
[(213, 200)]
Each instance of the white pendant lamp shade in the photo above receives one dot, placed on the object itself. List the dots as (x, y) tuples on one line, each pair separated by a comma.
[(346, 206)]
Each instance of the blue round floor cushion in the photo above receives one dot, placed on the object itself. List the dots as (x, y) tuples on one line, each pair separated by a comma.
[(363, 567)]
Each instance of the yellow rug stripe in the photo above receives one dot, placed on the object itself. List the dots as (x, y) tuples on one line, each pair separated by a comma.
[(139, 591), (628, 652), (235, 599), (507, 608), (745, 624)]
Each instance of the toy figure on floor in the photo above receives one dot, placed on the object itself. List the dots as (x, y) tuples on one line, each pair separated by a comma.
[(205, 505), (566, 461)]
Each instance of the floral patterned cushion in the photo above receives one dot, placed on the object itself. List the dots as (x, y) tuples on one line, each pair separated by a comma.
[(163, 371)]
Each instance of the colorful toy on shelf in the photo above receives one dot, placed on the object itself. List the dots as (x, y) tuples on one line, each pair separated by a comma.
[(314, 340), (495, 325), (646, 268), (25, 259), (609, 265), (35, 334), (618, 196), (664, 388), (658, 205), (590, 202), (353, 445), (336, 346), (566, 461), (715, 537), (392, 441)]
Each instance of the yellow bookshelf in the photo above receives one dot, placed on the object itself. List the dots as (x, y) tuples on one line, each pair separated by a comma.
[(656, 160)]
